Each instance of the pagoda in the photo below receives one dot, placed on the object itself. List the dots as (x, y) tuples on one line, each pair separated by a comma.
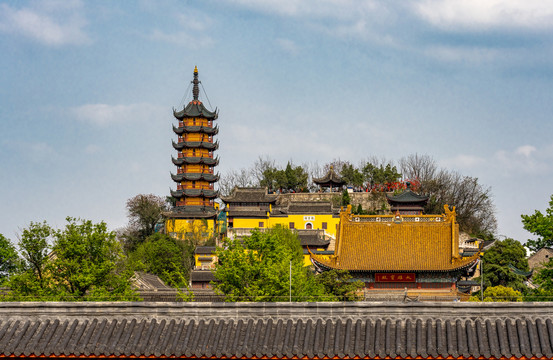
[(195, 177)]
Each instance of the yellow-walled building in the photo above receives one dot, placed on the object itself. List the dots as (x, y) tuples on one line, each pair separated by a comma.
[(316, 223), (195, 211)]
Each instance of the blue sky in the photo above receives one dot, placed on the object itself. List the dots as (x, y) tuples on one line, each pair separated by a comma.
[(87, 91)]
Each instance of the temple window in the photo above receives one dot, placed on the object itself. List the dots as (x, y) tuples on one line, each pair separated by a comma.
[(291, 225), (324, 225), (261, 224)]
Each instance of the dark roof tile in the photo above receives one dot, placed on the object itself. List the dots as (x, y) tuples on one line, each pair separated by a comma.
[(249, 195), (278, 330)]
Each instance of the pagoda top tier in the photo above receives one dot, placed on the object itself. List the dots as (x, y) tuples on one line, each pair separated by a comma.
[(195, 108)]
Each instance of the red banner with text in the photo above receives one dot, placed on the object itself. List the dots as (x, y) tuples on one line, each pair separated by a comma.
[(394, 277)]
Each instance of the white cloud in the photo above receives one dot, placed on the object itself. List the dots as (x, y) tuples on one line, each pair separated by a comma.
[(288, 46), (182, 38), (526, 159), (522, 160), (456, 54), (526, 150), (52, 23), (486, 14), (104, 114), (92, 149), (192, 29), (463, 161), (37, 152), (424, 27)]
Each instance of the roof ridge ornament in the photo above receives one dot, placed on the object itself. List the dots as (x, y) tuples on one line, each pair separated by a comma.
[(196, 88)]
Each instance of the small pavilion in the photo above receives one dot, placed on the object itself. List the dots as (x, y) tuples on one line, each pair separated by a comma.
[(408, 202), (330, 180)]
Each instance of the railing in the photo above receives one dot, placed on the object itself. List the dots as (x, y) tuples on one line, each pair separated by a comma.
[(241, 232), (403, 218), (205, 267)]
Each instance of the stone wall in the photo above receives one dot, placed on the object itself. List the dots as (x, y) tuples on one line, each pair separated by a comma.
[(373, 202), (542, 256)]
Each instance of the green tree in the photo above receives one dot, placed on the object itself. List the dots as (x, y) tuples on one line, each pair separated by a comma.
[(89, 262), (499, 294), (351, 175), (86, 263), (269, 179), (544, 276), (496, 264), (541, 225), (346, 200), (144, 212), (538, 294), (34, 247), (258, 269), (339, 283), (9, 260), (381, 174), (293, 178), (168, 258)]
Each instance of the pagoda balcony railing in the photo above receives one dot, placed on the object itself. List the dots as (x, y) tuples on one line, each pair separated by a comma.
[(182, 171), (209, 123), (181, 187), (248, 208), (205, 267), (205, 203), (393, 218), (184, 139), (180, 155)]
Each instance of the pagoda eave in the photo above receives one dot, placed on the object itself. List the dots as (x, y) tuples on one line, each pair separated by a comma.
[(195, 160), (195, 108), (191, 212), (195, 145), (206, 193), (195, 177), (195, 129)]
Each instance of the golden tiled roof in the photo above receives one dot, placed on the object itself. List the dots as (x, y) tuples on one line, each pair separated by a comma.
[(401, 246)]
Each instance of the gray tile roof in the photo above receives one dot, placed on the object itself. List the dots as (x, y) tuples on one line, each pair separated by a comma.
[(202, 276), (278, 330), (249, 195), (205, 250)]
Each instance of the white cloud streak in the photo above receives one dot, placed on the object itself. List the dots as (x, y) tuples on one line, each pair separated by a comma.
[(523, 160), (487, 14), (192, 31), (51, 23), (105, 115)]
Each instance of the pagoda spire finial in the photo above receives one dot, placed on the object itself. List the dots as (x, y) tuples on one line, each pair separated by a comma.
[(195, 89)]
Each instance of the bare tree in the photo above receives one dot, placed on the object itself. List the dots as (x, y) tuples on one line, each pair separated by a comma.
[(473, 202), (420, 167), (260, 166), (242, 178)]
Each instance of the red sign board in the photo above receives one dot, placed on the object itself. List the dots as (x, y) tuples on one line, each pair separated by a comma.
[(394, 277)]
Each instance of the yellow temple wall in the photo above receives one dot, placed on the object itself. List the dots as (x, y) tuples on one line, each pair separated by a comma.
[(301, 220), (197, 257), (250, 223), (183, 226)]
